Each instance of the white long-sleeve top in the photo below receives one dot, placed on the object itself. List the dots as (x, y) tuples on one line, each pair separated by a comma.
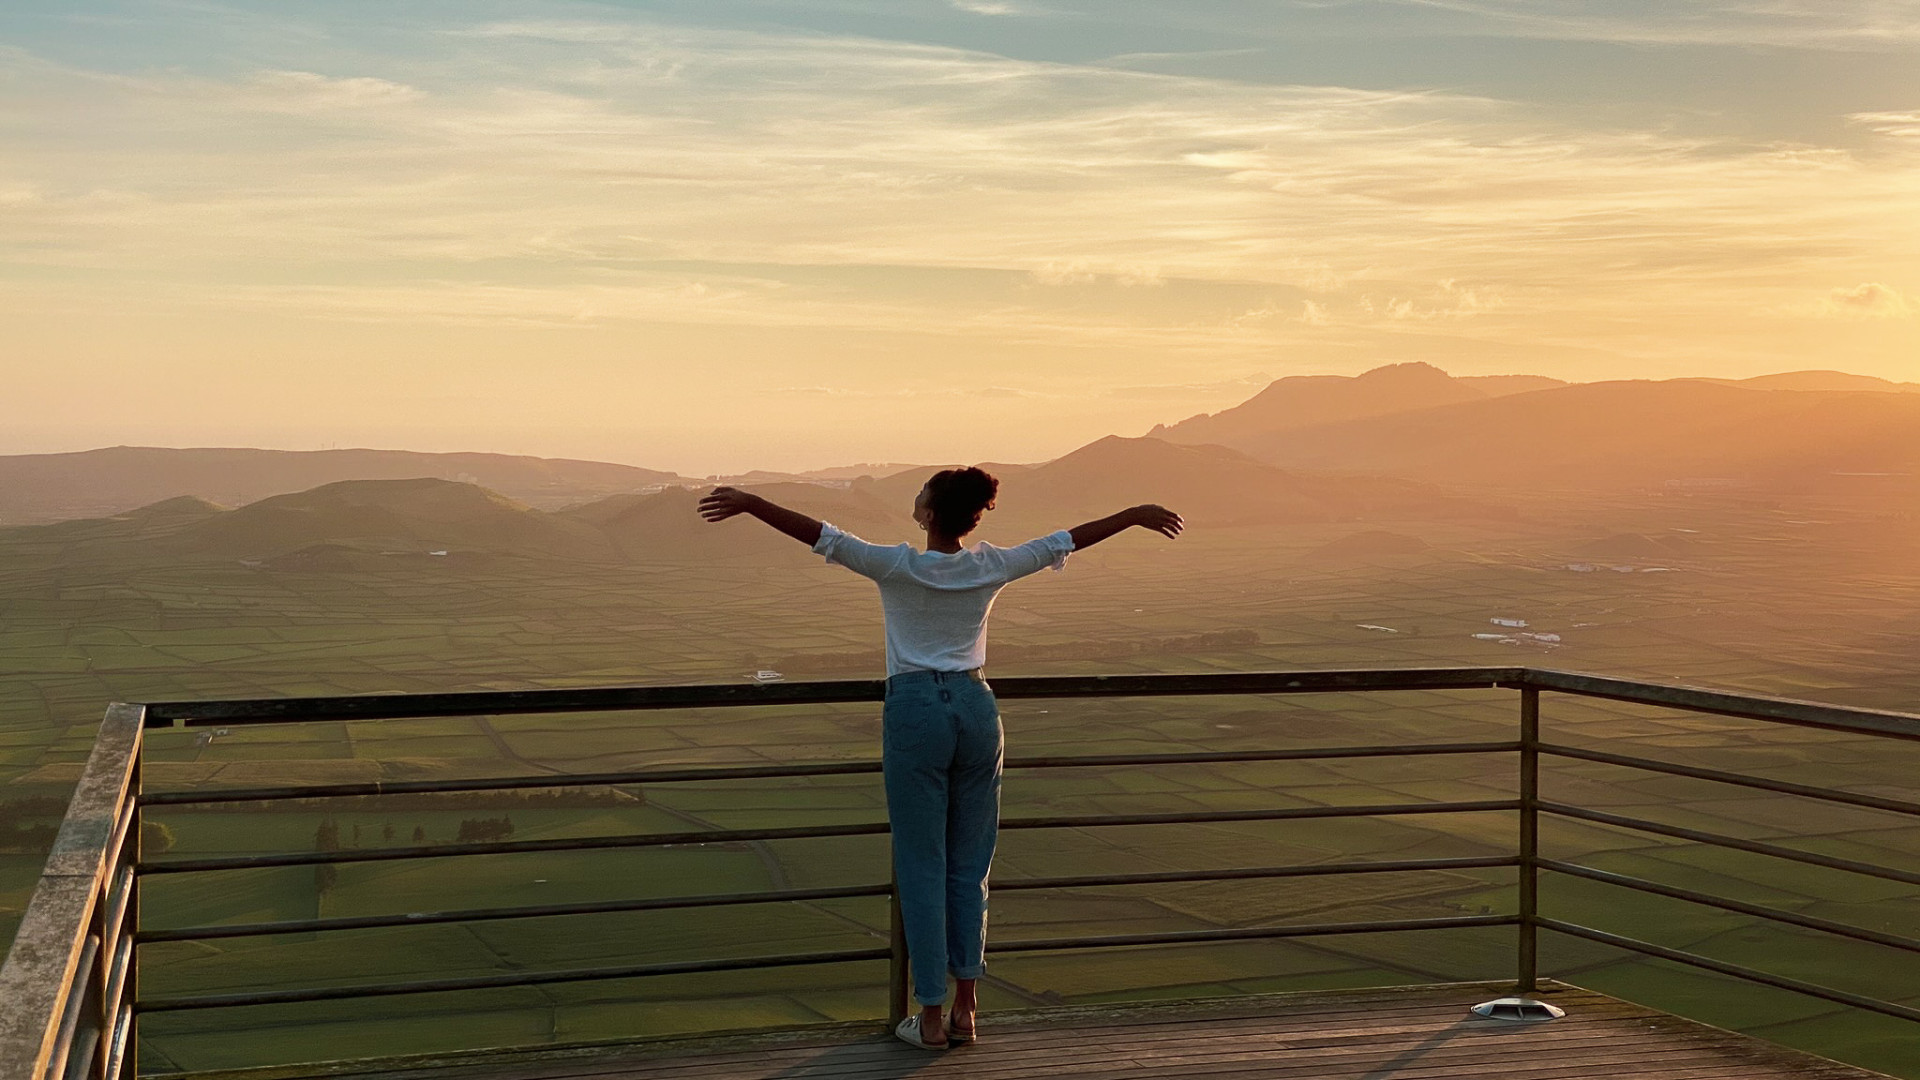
[(937, 603)]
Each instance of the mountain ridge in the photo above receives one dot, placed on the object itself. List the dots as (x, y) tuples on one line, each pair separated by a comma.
[(1412, 421), (35, 488), (1305, 400), (1609, 434)]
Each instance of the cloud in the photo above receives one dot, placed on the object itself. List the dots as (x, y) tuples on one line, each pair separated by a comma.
[(1782, 23), (1898, 125), (1867, 300), (303, 90), (985, 7), (1449, 299), (1081, 272), (1061, 273)]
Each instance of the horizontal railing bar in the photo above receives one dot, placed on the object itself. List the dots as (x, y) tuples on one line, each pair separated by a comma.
[(598, 699), (1810, 922), (509, 847), (370, 922), (1256, 873), (87, 1048), (1747, 706), (77, 995), (721, 836), (119, 899), (1315, 753), (119, 893), (1253, 682), (505, 783), (762, 772), (491, 982), (1737, 971), (279, 997), (117, 1049), (1287, 814), (1183, 937), (1871, 802), (1719, 840), (294, 710), (609, 699), (121, 974), (123, 828), (540, 911)]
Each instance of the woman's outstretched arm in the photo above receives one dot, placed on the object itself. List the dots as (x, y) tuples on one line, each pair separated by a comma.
[(1147, 516), (725, 502)]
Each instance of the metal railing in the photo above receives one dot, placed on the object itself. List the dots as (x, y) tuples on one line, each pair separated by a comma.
[(70, 987)]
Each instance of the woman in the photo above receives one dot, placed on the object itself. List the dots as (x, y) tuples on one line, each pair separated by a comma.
[(941, 737)]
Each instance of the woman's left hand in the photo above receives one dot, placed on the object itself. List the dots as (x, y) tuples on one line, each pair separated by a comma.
[(1159, 519)]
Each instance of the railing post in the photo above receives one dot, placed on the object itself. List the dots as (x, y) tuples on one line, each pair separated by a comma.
[(125, 1062), (1529, 839), (897, 976)]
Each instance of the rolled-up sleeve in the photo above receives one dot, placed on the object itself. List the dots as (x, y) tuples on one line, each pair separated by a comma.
[(857, 555), (1040, 553)]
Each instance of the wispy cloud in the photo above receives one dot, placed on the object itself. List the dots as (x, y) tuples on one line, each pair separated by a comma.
[(1867, 300), (1784, 23), (985, 7), (1895, 124)]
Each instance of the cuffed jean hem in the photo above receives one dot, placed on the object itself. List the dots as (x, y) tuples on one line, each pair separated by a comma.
[(967, 972), (924, 1003)]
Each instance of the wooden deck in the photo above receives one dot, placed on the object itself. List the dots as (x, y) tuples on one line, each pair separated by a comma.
[(1415, 1033)]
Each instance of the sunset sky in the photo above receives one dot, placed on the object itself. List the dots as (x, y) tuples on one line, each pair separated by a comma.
[(710, 235)]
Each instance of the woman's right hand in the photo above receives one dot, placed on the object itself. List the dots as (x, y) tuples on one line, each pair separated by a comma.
[(1159, 519), (725, 502)]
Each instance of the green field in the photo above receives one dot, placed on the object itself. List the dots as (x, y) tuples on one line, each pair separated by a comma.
[(75, 634)]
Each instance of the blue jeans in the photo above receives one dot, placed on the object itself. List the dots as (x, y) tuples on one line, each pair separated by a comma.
[(941, 755)]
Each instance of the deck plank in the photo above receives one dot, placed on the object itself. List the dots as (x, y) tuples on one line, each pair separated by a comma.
[(1407, 1033)]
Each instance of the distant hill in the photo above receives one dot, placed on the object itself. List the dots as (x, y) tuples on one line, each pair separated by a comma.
[(1208, 485), (666, 526), (838, 474), (1825, 381), (412, 517), (1502, 385), (144, 524), (38, 488), (1614, 433), (1212, 485), (178, 508), (1307, 400)]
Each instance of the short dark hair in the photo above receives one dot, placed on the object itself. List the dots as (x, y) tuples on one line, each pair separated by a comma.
[(957, 498)]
